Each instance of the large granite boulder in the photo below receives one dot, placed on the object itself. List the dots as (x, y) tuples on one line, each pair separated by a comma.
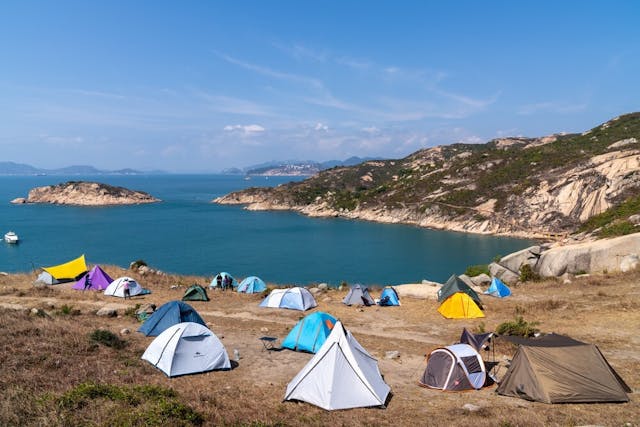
[(590, 257), (507, 276), (427, 290), (515, 260), (481, 279), (629, 263)]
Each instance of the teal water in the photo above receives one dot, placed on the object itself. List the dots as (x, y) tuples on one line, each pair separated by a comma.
[(186, 234)]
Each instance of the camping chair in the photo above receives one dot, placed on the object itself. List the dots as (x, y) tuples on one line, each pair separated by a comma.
[(269, 343)]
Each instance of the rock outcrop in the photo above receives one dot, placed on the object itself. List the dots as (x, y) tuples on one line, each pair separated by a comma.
[(605, 255), (86, 194), (619, 254)]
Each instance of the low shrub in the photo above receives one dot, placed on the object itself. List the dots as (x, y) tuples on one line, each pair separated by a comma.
[(518, 327), (68, 310), (131, 311), (107, 338), (527, 274), (475, 270), (146, 405), (618, 228)]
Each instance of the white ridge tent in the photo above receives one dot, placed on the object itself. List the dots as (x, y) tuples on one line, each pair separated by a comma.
[(341, 375), (292, 298), (116, 288), (187, 348)]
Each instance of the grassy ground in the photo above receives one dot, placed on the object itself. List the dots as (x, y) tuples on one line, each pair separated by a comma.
[(53, 372)]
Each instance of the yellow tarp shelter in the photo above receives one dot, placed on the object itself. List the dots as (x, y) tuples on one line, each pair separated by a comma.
[(460, 306), (69, 271)]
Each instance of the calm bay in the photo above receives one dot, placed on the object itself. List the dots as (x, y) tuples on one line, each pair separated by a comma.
[(186, 234)]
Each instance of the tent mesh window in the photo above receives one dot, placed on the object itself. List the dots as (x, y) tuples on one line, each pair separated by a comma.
[(472, 364)]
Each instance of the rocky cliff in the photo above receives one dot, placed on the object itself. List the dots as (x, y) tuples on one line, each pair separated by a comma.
[(532, 187), (86, 194)]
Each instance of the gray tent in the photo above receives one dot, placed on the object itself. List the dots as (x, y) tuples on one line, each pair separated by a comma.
[(559, 369), (358, 295)]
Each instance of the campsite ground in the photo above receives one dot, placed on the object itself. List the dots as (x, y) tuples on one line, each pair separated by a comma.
[(49, 358)]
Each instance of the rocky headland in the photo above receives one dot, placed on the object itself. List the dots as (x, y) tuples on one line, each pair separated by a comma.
[(546, 187), (86, 194)]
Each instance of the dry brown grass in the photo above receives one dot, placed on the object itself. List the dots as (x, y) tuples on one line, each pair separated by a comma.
[(46, 358)]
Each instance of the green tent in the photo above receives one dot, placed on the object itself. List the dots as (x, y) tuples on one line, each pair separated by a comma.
[(195, 293), (455, 285)]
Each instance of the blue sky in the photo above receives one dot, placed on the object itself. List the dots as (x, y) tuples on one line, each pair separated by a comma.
[(202, 85)]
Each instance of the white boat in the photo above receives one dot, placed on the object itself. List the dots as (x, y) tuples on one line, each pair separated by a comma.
[(11, 237)]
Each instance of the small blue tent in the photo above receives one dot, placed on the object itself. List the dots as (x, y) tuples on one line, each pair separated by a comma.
[(252, 285), (498, 289), (310, 333), (167, 315), (389, 297)]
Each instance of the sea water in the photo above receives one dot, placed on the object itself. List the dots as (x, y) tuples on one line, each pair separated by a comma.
[(187, 234)]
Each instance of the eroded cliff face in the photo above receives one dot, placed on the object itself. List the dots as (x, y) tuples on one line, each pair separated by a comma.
[(86, 194), (512, 186)]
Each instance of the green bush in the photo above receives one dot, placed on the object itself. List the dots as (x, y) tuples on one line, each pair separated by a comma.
[(474, 270), (608, 218), (107, 338), (518, 327), (527, 274), (68, 310), (618, 228), (131, 311)]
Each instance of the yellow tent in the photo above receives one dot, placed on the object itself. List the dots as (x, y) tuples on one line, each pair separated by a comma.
[(69, 271), (460, 306)]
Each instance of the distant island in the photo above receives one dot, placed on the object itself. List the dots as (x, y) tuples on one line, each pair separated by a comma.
[(83, 193), (12, 168), (294, 167)]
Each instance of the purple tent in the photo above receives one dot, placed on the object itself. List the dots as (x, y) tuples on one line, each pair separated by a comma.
[(98, 280)]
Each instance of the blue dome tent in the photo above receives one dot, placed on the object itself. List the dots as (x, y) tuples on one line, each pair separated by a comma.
[(389, 297), (252, 285), (167, 315), (310, 332)]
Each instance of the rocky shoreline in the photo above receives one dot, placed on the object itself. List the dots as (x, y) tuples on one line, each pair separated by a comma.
[(434, 220), (82, 193)]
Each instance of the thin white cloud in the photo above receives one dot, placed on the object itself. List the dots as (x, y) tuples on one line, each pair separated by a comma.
[(247, 130), (359, 64), (266, 71), (551, 107), (321, 127), (301, 52), (62, 141), (233, 105)]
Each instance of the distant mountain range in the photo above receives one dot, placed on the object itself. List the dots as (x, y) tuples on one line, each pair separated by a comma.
[(11, 168), (295, 167)]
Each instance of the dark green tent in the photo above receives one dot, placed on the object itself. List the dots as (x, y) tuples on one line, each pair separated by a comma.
[(455, 285), (195, 293)]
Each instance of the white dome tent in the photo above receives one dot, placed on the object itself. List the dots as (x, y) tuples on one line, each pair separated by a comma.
[(187, 348), (292, 298), (116, 288)]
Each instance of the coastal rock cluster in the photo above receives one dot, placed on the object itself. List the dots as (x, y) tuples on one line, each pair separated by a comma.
[(529, 187), (86, 194)]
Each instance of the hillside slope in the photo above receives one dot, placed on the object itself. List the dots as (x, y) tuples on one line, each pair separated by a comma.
[(513, 186)]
